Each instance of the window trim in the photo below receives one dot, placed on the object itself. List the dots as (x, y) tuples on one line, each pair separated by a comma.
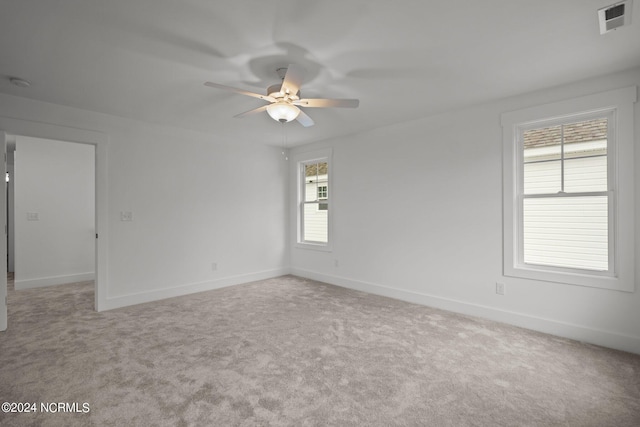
[(621, 181), (299, 161)]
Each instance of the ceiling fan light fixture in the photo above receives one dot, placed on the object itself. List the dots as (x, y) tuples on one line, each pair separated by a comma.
[(283, 111)]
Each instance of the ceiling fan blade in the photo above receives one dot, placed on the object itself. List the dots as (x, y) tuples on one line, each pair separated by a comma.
[(304, 120), (292, 79), (252, 112), (240, 91), (324, 103)]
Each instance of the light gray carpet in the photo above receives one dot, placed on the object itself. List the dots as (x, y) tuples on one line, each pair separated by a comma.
[(293, 352)]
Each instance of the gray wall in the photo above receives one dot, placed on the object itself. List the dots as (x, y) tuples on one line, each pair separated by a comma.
[(196, 200), (417, 215)]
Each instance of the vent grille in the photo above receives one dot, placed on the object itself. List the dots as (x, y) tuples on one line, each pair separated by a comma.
[(614, 16), (614, 12)]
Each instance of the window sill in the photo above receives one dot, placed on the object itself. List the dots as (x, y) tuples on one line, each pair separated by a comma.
[(595, 280), (314, 246)]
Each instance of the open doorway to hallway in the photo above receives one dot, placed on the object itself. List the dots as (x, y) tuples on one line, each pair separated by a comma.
[(51, 212)]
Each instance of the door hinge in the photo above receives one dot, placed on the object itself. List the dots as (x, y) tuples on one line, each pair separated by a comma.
[(96, 235)]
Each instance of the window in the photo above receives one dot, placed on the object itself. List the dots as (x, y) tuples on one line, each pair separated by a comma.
[(313, 200), (568, 198), (322, 195), (565, 194), (322, 192)]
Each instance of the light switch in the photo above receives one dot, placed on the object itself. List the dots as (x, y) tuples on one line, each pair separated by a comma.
[(33, 216)]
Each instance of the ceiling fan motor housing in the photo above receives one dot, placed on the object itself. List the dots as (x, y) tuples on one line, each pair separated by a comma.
[(275, 91)]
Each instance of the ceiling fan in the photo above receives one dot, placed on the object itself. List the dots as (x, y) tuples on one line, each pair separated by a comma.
[(284, 98)]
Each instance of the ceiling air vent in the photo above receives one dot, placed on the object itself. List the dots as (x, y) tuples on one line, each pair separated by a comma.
[(614, 16)]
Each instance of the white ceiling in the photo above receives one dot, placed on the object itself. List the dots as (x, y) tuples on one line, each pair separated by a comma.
[(148, 59)]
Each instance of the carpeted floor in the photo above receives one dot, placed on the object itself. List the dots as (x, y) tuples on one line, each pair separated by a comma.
[(293, 352)]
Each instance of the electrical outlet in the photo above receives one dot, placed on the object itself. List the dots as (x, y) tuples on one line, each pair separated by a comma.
[(500, 288), (214, 266), (336, 263), (126, 216)]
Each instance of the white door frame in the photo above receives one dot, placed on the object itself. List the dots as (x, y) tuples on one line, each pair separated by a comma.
[(3, 239), (100, 141)]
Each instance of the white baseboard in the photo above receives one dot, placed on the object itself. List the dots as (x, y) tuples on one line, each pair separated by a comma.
[(53, 280), (567, 330), (142, 297)]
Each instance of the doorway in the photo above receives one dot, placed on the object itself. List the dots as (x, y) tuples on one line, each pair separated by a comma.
[(100, 141), (51, 215)]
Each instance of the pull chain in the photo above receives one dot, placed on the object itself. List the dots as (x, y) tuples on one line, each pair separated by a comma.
[(284, 142)]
